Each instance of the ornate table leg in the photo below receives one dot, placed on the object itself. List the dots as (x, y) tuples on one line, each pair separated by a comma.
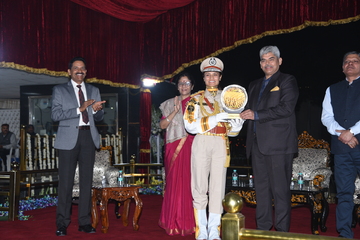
[(94, 211), (125, 213), (104, 213), (117, 207), (138, 209)]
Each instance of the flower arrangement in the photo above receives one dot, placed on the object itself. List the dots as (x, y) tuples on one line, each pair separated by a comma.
[(30, 204), (157, 190), (50, 201)]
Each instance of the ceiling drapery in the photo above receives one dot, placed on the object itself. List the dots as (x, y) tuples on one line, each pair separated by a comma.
[(45, 35), (133, 11)]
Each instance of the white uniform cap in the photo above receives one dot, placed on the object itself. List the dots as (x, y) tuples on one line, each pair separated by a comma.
[(212, 64)]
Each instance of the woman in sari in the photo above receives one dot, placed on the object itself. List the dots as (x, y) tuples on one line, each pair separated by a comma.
[(177, 213)]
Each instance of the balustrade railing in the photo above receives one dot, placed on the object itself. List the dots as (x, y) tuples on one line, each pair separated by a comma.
[(40, 154), (39, 161)]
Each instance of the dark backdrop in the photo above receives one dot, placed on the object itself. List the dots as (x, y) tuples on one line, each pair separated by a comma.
[(128, 112), (313, 55)]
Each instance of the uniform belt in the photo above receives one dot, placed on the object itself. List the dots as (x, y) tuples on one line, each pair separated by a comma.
[(84, 127), (218, 130), (213, 134)]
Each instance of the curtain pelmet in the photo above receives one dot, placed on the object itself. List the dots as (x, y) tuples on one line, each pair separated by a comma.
[(44, 34)]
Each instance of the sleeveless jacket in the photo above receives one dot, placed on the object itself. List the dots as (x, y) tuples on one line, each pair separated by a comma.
[(345, 101)]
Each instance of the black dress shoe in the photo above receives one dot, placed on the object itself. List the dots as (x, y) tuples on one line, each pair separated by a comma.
[(87, 228), (61, 231)]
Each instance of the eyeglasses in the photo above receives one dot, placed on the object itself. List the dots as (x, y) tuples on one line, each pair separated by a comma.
[(187, 84), (353, 62)]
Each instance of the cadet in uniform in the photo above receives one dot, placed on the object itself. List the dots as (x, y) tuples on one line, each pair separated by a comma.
[(210, 153)]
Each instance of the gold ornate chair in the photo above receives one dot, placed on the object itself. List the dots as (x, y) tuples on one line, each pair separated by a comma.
[(313, 160)]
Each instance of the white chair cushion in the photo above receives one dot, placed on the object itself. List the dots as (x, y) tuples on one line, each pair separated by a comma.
[(308, 160)]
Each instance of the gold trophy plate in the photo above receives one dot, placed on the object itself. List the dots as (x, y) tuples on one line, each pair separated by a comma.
[(233, 99)]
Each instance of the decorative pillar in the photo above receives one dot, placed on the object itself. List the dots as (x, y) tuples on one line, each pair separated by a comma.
[(233, 220)]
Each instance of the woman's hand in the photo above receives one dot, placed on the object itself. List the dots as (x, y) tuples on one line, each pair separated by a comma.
[(176, 104)]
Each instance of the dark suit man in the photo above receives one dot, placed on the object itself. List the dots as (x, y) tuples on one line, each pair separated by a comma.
[(272, 139), (76, 105)]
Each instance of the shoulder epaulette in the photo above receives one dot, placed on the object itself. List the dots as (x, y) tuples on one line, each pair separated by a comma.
[(197, 93)]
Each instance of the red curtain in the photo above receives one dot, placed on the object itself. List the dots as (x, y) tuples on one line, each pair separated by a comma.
[(133, 11), (119, 47), (46, 34)]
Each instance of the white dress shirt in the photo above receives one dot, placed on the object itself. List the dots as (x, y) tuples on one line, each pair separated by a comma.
[(327, 117), (76, 89)]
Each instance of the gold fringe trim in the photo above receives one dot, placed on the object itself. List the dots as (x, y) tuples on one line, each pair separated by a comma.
[(62, 74), (155, 79), (184, 65), (145, 90), (145, 150), (112, 84), (257, 37), (33, 70)]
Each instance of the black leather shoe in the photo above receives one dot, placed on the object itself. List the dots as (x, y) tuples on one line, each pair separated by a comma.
[(61, 231), (87, 229)]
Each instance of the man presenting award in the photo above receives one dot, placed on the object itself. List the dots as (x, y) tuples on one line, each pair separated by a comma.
[(272, 140)]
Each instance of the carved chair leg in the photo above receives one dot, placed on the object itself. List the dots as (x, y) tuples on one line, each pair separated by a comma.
[(355, 215)]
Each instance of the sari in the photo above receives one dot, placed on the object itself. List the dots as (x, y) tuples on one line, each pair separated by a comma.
[(177, 213)]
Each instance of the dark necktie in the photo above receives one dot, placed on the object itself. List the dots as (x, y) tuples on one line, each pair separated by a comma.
[(84, 114), (264, 84)]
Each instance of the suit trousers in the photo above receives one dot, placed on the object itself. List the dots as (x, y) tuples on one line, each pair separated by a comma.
[(272, 176), (208, 174), (84, 154), (3, 155), (347, 166)]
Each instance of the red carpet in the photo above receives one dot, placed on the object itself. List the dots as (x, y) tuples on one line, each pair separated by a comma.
[(42, 224)]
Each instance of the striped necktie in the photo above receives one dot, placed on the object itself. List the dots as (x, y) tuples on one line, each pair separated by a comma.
[(84, 114)]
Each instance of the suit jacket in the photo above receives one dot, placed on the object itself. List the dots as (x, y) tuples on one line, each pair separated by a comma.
[(276, 127), (64, 109)]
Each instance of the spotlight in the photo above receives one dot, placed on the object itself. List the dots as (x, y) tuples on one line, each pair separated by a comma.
[(149, 82)]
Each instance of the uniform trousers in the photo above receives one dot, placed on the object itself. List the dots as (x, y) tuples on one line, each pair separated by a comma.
[(347, 166), (84, 154), (208, 156), (272, 177)]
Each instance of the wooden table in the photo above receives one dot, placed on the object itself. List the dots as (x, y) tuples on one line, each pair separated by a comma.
[(121, 194), (310, 196)]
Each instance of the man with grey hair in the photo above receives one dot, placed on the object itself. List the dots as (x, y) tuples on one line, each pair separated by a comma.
[(272, 139), (341, 116)]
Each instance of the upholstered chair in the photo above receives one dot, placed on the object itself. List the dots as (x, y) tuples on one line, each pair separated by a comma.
[(102, 167), (313, 160)]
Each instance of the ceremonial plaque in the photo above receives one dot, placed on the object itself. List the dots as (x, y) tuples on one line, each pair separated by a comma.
[(233, 100)]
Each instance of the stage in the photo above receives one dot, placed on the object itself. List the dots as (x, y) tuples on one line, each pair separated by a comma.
[(41, 224)]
